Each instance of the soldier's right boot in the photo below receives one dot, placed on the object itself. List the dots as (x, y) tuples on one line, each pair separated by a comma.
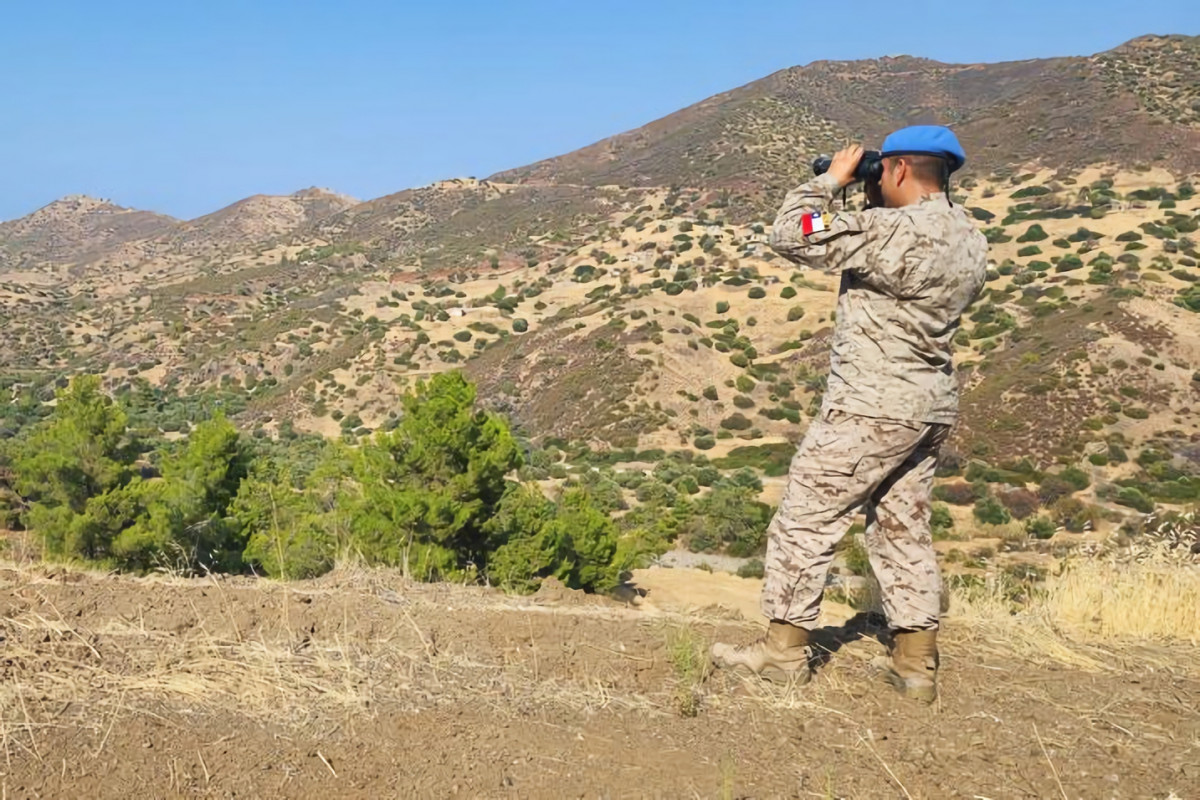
[(912, 668), (779, 655)]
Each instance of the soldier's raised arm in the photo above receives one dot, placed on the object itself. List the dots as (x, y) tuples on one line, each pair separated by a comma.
[(810, 231)]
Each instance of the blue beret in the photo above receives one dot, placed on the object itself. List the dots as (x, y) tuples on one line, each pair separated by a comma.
[(926, 140)]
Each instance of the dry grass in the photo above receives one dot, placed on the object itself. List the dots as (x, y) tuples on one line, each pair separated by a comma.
[(61, 673), (1101, 600), (687, 652), (1087, 614)]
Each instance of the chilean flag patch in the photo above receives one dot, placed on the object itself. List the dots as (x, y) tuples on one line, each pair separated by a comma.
[(812, 223)]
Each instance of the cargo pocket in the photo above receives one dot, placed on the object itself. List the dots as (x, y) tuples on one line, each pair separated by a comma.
[(833, 446)]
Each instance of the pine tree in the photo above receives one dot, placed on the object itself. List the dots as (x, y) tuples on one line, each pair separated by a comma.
[(187, 521), (73, 470), (426, 488)]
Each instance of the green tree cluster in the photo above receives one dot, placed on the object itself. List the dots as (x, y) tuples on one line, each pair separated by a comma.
[(432, 495)]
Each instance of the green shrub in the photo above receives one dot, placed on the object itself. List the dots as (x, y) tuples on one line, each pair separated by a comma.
[(1068, 264), (729, 516), (1076, 478), (990, 511), (752, 569), (996, 235), (572, 540), (788, 293), (1031, 250), (520, 325), (706, 442), (795, 313), (741, 401), (286, 535), (757, 293), (722, 306), (940, 518), (463, 336), (1135, 499), (736, 422), (739, 359), (1040, 527), (1034, 234), (772, 459)]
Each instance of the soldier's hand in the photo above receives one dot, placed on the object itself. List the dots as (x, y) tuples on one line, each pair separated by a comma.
[(844, 163)]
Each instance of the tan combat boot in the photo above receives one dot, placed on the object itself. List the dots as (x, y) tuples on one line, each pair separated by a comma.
[(780, 655), (912, 668)]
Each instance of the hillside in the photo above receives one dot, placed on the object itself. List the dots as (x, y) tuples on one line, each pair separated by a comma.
[(624, 323), (74, 229), (1136, 105), (255, 220), (193, 410)]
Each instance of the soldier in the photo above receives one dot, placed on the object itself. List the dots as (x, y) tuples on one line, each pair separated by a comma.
[(910, 265)]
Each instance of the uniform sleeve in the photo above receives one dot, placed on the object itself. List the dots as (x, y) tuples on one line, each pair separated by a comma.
[(875, 243)]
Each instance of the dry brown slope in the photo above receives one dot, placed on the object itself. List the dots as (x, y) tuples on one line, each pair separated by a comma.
[(1135, 104), (257, 219), (75, 228)]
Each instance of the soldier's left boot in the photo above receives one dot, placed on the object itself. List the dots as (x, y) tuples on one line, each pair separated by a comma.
[(781, 655), (913, 665)]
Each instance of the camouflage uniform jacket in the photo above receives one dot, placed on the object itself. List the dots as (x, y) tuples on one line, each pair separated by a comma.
[(907, 275)]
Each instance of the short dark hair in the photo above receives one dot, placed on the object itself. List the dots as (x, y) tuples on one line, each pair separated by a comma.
[(927, 169)]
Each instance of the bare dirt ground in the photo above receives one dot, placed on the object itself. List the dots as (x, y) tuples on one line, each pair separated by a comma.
[(361, 685)]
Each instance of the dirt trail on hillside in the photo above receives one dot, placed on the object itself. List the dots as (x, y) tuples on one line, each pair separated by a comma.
[(360, 685)]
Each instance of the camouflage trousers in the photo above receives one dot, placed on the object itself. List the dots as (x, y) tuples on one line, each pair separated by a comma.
[(848, 463)]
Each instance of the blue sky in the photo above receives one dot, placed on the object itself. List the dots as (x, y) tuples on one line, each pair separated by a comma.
[(184, 107)]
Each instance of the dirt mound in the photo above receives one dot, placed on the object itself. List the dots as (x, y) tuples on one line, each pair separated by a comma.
[(362, 685)]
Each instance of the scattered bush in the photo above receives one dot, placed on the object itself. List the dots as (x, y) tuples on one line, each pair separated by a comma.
[(959, 493), (1021, 503), (990, 511), (752, 569), (736, 422), (1040, 527), (1034, 234), (1135, 499)]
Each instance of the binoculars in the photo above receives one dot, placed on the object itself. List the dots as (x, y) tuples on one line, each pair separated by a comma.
[(869, 169)]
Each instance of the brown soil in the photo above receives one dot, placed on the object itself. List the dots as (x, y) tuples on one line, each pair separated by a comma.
[(360, 685)]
